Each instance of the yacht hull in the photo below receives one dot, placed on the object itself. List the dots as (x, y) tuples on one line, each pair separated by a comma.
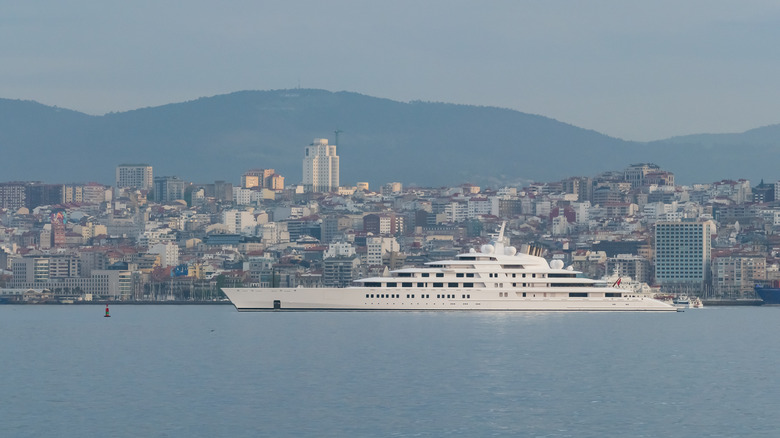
[(363, 299)]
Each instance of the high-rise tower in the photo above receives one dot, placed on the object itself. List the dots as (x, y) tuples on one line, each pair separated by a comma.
[(683, 252), (138, 176), (320, 167), (169, 188)]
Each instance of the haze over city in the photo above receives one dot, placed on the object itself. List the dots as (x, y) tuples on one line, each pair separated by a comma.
[(638, 71), (436, 218)]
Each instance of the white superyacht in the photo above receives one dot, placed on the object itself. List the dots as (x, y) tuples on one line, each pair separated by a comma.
[(496, 278)]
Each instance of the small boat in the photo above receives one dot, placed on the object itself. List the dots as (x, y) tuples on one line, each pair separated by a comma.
[(682, 302)]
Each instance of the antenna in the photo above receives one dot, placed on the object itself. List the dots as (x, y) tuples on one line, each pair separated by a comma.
[(337, 132)]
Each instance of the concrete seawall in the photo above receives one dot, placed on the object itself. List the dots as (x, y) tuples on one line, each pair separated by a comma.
[(732, 302)]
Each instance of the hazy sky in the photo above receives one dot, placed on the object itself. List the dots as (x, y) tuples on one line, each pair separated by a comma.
[(636, 70)]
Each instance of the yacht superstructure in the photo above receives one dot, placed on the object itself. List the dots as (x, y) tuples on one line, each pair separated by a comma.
[(495, 278)]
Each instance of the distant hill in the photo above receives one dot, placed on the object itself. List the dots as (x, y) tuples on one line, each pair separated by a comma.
[(417, 143), (752, 155)]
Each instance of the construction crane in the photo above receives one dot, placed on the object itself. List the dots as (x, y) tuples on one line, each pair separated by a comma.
[(337, 132)]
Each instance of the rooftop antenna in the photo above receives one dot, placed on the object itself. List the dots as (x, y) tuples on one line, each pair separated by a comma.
[(337, 132)]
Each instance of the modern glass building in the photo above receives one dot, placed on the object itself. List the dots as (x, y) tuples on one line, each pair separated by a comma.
[(683, 252)]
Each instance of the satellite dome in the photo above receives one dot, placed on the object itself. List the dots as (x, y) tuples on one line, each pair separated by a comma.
[(510, 250), (488, 249), (556, 264)]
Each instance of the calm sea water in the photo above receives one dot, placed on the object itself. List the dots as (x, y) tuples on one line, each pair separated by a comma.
[(177, 371)]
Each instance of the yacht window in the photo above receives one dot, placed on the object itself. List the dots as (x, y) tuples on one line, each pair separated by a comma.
[(459, 274), (570, 285), (392, 284), (373, 284), (420, 284), (578, 294), (438, 284), (562, 275), (425, 274), (440, 275), (468, 284), (469, 275), (366, 295), (406, 284), (452, 284)]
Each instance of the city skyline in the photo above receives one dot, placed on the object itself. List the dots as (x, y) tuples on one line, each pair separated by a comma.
[(634, 71), (600, 225)]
